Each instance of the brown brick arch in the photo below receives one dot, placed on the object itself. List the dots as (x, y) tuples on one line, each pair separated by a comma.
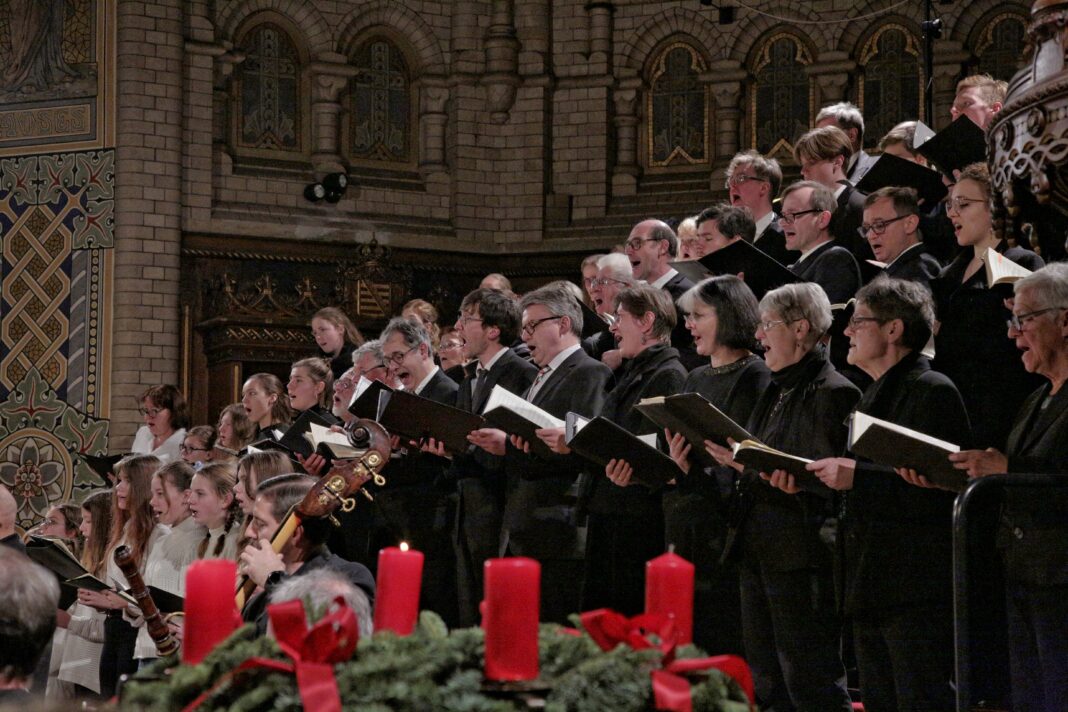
[(313, 27), (854, 34), (399, 22), (970, 14), (690, 25), (755, 28)]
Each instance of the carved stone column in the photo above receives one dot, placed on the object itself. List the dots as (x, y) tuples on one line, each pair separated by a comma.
[(625, 175), (831, 72), (725, 78), (502, 61), (330, 74), (600, 12), (433, 117)]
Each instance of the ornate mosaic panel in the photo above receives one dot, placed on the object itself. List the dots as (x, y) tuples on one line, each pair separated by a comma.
[(678, 109), (1000, 47), (57, 205), (269, 87), (381, 104), (781, 101), (891, 85)]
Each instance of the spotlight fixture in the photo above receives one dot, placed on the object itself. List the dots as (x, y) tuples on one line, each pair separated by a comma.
[(330, 188)]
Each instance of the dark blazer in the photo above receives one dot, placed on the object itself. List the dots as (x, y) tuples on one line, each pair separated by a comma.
[(864, 163), (598, 344), (915, 264), (656, 371), (896, 541), (538, 513), (681, 338), (803, 413), (342, 362), (1034, 536), (773, 243), (832, 267), (845, 221), (973, 349)]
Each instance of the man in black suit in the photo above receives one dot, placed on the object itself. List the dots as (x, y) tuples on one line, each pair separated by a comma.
[(806, 215), (540, 496), (1034, 534), (891, 226), (652, 244), (753, 182), (414, 504), (488, 320), (823, 155), (848, 118)]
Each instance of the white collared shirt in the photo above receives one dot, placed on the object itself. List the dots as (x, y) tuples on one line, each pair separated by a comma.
[(806, 253), (839, 189), (422, 383), (496, 357), (664, 278), (764, 222), (904, 252), (554, 364)]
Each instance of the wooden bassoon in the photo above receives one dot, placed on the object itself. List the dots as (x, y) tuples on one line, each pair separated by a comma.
[(166, 643), (333, 490)]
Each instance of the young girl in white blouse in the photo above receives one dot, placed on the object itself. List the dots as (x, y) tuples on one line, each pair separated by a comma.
[(213, 505)]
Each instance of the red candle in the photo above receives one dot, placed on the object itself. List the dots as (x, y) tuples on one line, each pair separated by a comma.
[(510, 618), (669, 592), (210, 611), (400, 575)]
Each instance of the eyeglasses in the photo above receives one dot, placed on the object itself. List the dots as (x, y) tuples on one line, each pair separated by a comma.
[(376, 367), (398, 357), (531, 326), (694, 317), (344, 384), (769, 325), (635, 243), (856, 321), (1017, 321), (152, 412), (740, 179), (957, 204), (790, 218), (463, 319), (878, 227), (605, 281), (185, 449)]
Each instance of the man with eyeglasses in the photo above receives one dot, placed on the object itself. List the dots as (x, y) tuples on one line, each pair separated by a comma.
[(539, 514), (414, 505), (613, 274), (891, 227), (488, 321), (651, 246), (807, 207), (824, 155), (753, 182)]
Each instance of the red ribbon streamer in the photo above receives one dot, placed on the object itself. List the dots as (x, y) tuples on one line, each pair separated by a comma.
[(671, 691), (314, 652)]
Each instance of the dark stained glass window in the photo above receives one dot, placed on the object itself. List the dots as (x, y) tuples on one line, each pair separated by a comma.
[(891, 83), (381, 105), (677, 109), (781, 106), (269, 90), (1001, 46)]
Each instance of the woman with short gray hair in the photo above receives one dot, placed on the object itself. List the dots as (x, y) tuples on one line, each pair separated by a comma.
[(791, 640)]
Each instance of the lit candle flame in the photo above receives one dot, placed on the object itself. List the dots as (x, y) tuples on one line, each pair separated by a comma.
[(404, 546)]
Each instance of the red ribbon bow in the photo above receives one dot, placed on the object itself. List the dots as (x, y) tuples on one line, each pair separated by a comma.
[(331, 640), (671, 691)]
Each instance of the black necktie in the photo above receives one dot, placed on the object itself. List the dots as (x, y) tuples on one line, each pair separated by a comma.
[(480, 384)]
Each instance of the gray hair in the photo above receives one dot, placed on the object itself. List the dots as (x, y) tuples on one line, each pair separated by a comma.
[(372, 347), (909, 301), (805, 300), (618, 266), (559, 300), (846, 116), (29, 596), (821, 199), (1049, 285), (318, 589), (763, 168), (413, 333)]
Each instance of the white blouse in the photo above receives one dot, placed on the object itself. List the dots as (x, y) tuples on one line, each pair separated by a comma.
[(167, 452)]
